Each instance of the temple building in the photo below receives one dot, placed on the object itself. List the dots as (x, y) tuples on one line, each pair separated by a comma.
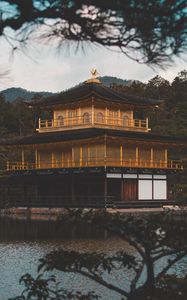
[(91, 149)]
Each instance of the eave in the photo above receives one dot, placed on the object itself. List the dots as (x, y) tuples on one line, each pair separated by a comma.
[(85, 135)]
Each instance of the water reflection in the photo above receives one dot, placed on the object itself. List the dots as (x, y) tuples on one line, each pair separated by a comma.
[(23, 228), (24, 241)]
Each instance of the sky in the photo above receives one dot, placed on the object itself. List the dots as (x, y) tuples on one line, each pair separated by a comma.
[(44, 69)]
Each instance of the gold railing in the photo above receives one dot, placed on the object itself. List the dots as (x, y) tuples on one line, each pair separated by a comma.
[(92, 121), (95, 162)]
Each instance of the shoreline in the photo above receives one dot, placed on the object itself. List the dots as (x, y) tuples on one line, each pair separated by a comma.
[(53, 213)]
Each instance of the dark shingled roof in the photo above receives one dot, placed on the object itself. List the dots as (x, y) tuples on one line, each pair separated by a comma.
[(93, 90), (43, 138)]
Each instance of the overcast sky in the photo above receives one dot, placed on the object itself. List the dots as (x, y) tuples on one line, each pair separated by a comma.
[(49, 71)]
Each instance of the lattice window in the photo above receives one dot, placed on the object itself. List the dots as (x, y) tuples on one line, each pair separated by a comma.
[(100, 117), (86, 118), (60, 120), (125, 120)]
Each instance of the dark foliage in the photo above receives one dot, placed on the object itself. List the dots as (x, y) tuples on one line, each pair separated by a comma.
[(15, 118), (152, 30), (171, 116), (47, 289)]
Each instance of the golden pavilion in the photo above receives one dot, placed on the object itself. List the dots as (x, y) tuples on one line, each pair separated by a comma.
[(90, 151)]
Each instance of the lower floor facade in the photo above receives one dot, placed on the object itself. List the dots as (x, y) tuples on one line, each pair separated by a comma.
[(93, 187)]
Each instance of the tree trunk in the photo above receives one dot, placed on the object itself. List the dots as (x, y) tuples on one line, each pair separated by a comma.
[(150, 282)]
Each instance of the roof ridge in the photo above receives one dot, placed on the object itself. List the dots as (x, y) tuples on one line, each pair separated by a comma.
[(85, 90)]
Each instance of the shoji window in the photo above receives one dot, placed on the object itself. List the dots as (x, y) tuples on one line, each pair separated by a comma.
[(145, 189), (160, 189)]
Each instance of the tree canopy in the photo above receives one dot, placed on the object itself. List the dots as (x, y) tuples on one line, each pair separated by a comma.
[(148, 31)]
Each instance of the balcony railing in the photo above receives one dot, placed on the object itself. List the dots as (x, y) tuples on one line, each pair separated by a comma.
[(92, 121), (95, 162)]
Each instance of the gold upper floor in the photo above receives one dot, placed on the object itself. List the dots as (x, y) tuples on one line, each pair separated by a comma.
[(92, 115)]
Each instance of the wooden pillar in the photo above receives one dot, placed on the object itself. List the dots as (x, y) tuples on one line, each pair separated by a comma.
[(105, 152), (80, 156), (88, 157), (122, 186), (79, 116), (72, 157), (93, 119), (53, 120), (131, 122), (121, 155), (67, 118), (72, 188), (36, 158), (105, 191), (119, 118), (52, 160), (22, 158), (24, 194), (165, 157), (152, 156), (147, 124), (62, 158), (106, 115), (36, 184), (137, 155)]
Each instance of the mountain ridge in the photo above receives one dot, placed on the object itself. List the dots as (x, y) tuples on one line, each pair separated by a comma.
[(15, 93)]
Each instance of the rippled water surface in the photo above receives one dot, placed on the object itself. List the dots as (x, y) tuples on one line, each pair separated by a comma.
[(22, 244), (20, 257)]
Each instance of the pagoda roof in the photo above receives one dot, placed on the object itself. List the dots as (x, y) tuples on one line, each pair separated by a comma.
[(90, 90), (72, 135)]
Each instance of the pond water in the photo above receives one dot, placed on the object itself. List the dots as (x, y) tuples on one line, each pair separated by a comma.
[(24, 242)]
